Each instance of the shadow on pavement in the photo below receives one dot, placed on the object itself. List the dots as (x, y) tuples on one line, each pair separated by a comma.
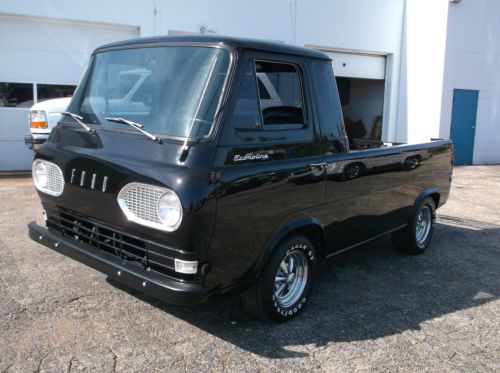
[(371, 292)]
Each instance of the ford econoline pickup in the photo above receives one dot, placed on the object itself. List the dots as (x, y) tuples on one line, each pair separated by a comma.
[(187, 167)]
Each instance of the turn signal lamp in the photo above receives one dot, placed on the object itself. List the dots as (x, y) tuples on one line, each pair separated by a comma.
[(38, 119), (188, 267)]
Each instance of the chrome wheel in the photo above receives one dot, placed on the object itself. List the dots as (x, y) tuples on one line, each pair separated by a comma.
[(423, 225), (291, 278)]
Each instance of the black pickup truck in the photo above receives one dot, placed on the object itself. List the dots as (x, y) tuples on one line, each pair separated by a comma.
[(187, 167)]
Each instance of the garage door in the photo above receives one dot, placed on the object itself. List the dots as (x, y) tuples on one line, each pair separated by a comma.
[(364, 66), (45, 52)]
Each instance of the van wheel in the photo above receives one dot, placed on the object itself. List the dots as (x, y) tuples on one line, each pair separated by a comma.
[(417, 236), (282, 289)]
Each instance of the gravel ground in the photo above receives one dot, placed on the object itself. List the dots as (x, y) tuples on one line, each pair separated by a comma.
[(372, 308)]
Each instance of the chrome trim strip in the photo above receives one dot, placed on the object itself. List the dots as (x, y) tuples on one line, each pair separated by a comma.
[(82, 178), (104, 183), (92, 184)]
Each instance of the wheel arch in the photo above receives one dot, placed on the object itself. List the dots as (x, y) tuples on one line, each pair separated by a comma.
[(309, 226), (432, 192)]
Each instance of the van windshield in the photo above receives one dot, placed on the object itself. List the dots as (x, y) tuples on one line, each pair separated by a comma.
[(173, 91)]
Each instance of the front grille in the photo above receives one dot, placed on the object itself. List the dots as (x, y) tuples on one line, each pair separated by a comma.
[(54, 183), (149, 255), (55, 180)]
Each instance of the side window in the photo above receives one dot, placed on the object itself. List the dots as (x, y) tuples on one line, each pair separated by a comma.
[(280, 93), (246, 113)]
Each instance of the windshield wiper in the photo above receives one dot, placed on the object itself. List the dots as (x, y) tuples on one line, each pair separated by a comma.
[(78, 119), (137, 126)]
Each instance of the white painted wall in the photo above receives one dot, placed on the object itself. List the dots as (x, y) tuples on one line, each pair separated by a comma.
[(113, 12), (270, 20), (473, 62), (422, 71)]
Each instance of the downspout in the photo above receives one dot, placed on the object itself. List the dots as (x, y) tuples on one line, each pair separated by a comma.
[(402, 102)]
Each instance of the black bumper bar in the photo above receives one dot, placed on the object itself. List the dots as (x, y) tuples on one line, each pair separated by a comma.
[(148, 282), (30, 140), (34, 142)]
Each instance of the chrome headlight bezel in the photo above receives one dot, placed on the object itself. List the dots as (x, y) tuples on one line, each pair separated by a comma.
[(140, 203), (54, 183)]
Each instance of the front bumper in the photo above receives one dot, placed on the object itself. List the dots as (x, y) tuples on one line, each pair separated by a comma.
[(35, 141), (148, 282)]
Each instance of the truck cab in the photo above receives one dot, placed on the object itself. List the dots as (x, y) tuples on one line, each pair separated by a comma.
[(191, 166)]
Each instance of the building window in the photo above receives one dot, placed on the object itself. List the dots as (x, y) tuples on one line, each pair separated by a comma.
[(50, 91), (18, 95)]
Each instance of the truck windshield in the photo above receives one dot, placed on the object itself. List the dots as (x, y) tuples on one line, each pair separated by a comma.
[(173, 91)]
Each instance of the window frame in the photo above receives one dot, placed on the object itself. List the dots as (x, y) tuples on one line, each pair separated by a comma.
[(288, 126), (230, 135), (226, 88)]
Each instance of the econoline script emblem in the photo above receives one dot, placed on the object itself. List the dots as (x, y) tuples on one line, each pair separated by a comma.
[(250, 157)]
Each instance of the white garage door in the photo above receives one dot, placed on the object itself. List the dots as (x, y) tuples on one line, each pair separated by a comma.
[(41, 51), (363, 66)]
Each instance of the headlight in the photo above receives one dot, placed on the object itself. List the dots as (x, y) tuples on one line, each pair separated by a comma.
[(48, 177), (151, 206), (170, 209)]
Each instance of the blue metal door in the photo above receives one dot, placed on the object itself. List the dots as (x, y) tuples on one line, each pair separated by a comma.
[(463, 124)]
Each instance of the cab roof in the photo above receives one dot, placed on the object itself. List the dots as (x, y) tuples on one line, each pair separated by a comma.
[(228, 41)]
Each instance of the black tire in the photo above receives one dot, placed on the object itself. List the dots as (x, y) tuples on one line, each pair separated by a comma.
[(260, 298), (415, 238), (352, 171)]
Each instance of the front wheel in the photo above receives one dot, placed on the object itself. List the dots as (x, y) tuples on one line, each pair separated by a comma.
[(417, 236), (283, 288)]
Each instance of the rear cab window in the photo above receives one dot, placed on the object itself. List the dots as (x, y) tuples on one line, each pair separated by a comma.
[(328, 107)]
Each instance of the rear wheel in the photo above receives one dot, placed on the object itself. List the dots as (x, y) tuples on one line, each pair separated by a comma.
[(417, 236), (283, 288), (352, 171)]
